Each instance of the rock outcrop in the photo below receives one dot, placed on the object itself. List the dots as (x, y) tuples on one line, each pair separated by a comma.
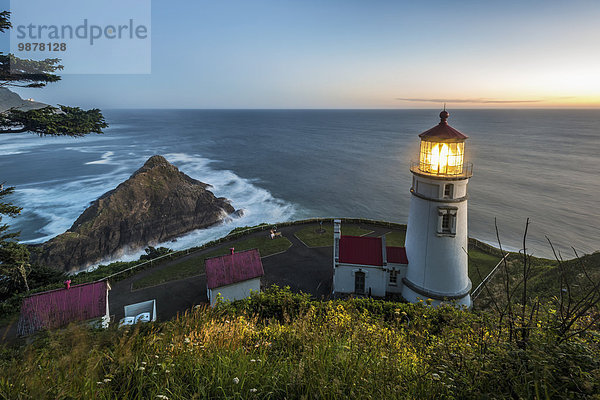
[(156, 204)]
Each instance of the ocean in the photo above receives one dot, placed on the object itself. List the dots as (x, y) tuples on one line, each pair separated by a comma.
[(281, 165)]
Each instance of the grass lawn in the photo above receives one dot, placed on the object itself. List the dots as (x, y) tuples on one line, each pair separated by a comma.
[(395, 239), (195, 265), (312, 238), (483, 261)]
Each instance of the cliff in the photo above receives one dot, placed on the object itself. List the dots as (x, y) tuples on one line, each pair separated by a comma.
[(156, 204)]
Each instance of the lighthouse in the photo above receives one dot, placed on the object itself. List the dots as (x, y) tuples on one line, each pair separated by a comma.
[(437, 235)]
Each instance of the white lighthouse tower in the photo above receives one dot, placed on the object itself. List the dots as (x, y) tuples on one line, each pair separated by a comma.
[(437, 236)]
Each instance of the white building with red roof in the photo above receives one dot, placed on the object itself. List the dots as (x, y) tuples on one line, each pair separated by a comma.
[(365, 265), (233, 276)]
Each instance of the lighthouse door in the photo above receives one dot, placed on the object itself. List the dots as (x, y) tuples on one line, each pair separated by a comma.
[(359, 282)]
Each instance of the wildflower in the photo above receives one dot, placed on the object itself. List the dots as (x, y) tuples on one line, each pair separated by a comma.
[(253, 390), (162, 397), (144, 363), (167, 371), (99, 383), (141, 368), (156, 356), (435, 377), (106, 380), (253, 360), (187, 340), (236, 380)]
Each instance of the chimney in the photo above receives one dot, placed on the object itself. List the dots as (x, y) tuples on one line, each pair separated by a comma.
[(384, 250), (232, 249), (337, 234), (68, 284)]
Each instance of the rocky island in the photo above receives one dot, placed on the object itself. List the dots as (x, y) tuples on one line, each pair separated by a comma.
[(156, 204)]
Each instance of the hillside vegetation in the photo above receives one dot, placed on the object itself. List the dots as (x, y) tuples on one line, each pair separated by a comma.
[(547, 279), (282, 345)]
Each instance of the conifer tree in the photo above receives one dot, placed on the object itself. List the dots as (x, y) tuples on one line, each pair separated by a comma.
[(14, 257)]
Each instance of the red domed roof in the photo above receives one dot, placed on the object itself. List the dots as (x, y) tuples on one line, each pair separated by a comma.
[(443, 132)]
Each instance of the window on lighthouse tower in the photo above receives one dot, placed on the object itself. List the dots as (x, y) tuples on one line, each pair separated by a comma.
[(448, 191), (447, 221)]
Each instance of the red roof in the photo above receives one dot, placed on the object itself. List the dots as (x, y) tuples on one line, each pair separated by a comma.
[(361, 250), (60, 307), (396, 255), (233, 268), (443, 131), (365, 250)]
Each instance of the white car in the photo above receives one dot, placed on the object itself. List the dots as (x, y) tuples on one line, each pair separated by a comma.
[(126, 321), (143, 317)]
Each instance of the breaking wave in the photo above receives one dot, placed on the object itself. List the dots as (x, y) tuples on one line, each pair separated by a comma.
[(56, 204)]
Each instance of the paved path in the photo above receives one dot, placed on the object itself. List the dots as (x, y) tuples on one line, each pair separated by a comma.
[(378, 231), (303, 269)]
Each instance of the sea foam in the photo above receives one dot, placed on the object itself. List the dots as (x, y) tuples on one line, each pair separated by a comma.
[(59, 202)]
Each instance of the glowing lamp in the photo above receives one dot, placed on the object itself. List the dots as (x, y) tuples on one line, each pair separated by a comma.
[(441, 157), (442, 150)]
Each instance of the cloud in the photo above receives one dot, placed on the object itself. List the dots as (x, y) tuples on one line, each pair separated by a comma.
[(478, 100)]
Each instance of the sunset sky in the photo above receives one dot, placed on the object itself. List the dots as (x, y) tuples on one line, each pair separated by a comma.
[(355, 54)]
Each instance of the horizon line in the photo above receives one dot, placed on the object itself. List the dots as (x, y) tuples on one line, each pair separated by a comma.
[(349, 109)]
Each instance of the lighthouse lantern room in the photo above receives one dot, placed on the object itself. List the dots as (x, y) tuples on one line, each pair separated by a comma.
[(437, 235)]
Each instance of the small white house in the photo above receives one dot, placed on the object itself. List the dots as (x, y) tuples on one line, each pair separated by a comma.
[(233, 276), (366, 266)]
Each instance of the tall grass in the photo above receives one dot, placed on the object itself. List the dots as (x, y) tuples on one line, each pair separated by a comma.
[(283, 345)]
